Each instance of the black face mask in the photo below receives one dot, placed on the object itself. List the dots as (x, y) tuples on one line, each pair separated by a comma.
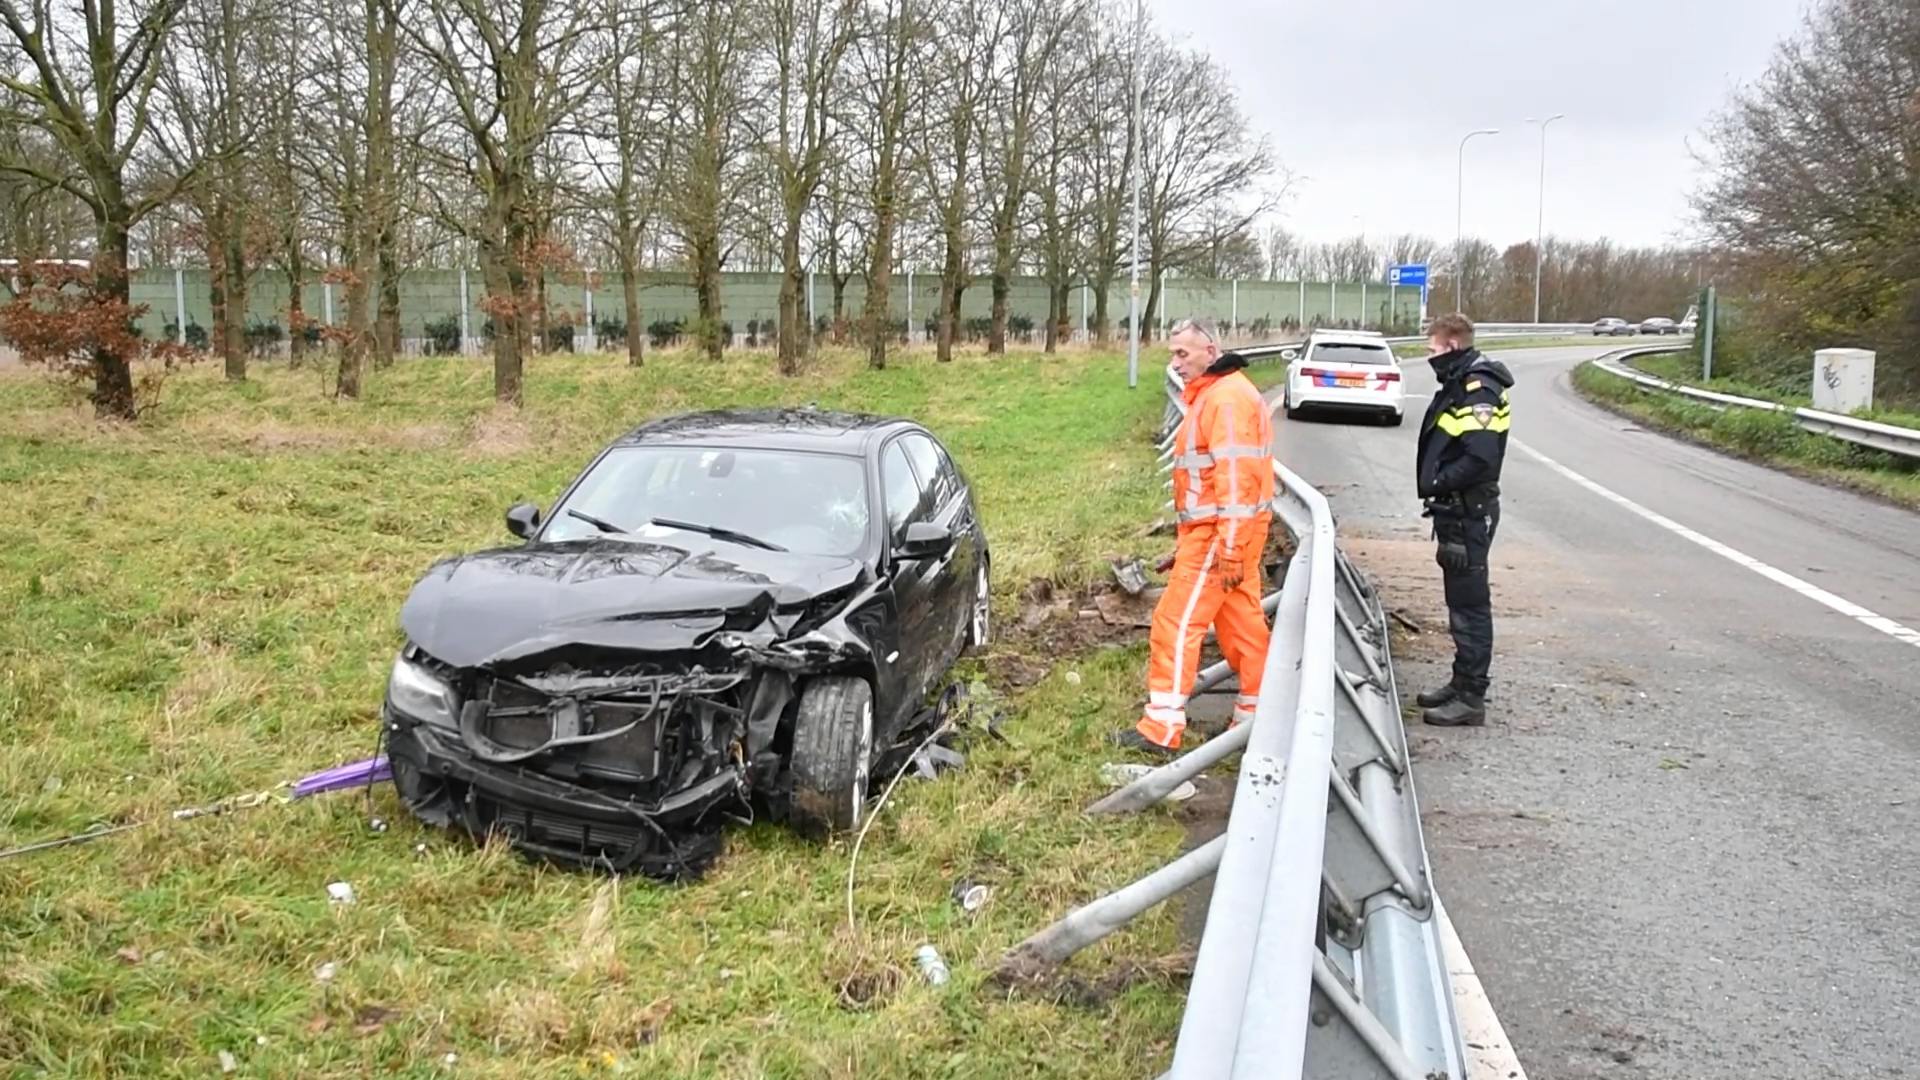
[(1446, 362)]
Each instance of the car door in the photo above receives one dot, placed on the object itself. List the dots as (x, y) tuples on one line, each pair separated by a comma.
[(950, 581), (915, 581)]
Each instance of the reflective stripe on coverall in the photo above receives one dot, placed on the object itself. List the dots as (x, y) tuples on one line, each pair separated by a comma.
[(1223, 502)]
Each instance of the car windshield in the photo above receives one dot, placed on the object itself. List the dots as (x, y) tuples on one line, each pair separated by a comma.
[(815, 504), (1349, 352)]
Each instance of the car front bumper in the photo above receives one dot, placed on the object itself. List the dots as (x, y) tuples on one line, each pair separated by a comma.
[(554, 818)]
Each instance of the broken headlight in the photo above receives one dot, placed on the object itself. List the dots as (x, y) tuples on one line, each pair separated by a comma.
[(415, 691)]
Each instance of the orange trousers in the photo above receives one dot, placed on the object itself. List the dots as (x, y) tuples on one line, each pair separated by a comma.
[(1195, 599)]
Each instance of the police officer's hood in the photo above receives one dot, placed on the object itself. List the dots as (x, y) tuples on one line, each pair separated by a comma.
[(1458, 364)]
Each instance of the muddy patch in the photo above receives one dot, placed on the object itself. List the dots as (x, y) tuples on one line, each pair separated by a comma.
[(1033, 978)]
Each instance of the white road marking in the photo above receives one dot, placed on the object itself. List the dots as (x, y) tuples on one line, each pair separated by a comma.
[(1489, 1055), (1805, 588)]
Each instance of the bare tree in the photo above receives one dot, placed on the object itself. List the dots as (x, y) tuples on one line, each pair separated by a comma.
[(808, 41), (1106, 163), (706, 132), (1025, 39), (511, 71), (964, 47), (87, 84), (1199, 164), (888, 86), (629, 151)]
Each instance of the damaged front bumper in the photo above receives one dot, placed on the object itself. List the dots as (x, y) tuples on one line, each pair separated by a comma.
[(670, 837)]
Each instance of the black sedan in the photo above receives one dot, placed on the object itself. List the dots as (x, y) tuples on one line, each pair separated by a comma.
[(724, 610)]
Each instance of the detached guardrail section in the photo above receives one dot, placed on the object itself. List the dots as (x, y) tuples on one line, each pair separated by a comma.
[(1321, 955), (1889, 437)]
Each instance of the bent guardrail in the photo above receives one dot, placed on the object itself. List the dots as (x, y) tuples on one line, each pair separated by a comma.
[(1322, 954), (1888, 437)]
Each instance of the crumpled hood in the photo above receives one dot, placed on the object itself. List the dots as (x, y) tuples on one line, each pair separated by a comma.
[(506, 603)]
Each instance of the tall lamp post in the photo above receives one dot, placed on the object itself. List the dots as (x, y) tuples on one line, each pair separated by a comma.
[(1540, 227), (1460, 216)]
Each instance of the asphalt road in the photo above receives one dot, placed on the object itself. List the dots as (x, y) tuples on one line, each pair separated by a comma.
[(1688, 842)]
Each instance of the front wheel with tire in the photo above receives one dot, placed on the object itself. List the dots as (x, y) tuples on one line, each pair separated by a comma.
[(980, 622), (832, 752)]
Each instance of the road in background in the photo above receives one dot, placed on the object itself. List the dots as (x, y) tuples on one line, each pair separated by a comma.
[(1686, 844)]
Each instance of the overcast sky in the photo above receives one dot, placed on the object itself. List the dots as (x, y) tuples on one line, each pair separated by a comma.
[(1354, 101)]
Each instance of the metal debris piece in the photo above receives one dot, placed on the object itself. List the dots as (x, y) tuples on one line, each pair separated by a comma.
[(340, 892), (1131, 575), (970, 895)]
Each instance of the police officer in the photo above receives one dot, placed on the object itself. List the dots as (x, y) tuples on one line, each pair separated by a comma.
[(1463, 440)]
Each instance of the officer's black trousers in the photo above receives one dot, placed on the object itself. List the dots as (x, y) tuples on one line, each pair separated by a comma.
[(1469, 601)]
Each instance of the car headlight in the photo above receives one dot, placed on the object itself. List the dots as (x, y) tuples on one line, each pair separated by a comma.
[(415, 691)]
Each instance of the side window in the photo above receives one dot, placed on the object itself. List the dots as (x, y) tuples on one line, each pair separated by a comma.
[(901, 487), (934, 468)]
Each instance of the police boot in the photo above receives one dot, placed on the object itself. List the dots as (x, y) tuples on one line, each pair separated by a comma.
[(1467, 709), (1438, 696)]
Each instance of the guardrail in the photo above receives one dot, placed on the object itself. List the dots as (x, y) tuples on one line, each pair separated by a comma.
[(1322, 954), (1888, 437)]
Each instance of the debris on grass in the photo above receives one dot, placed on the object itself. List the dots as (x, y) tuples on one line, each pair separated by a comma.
[(227, 1062), (1121, 773), (340, 892)]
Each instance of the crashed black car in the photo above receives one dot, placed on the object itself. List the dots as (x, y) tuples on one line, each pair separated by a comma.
[(724, 612)]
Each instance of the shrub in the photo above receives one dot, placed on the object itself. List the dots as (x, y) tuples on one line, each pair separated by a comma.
[(442, 335), (264, 337), (610, 332), (662, 332), (559, 337), (196, 334), (1020, 325)]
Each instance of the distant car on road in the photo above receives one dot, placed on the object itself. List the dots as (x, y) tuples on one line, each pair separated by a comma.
[(1691, 323), (1612, 327), (1658, 325), (1344, 371)]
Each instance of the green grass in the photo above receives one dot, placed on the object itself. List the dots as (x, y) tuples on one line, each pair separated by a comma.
[(1766, 437), (1685, 368), (206, 604)]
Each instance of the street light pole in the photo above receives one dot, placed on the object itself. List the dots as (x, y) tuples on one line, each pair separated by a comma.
[(1540, 227), (1459, 216), (1133, 287)]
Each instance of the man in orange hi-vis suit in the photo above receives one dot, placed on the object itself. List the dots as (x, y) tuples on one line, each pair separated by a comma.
[(1223, 501)]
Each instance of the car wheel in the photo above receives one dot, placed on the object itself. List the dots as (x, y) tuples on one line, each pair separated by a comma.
[(832, 752), (1292, 411), (980, 625)]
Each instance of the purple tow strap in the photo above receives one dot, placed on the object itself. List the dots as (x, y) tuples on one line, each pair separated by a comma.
[(358, 774)]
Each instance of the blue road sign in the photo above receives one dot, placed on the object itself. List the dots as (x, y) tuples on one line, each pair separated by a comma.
[(1408, 274)]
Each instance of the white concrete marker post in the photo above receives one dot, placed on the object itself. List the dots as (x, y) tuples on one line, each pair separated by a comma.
[(1843, 380)]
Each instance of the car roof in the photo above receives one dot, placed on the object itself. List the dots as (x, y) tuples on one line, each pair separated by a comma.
[(821, 430), (1347, 337)]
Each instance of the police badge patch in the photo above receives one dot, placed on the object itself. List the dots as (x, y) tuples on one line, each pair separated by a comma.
[(1483, 414)]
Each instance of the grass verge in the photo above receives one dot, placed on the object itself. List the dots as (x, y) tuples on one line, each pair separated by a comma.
[(1685, 368), (1765, 437), (205, 604)]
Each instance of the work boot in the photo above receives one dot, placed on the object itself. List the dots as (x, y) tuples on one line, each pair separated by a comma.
[(1131, 739), (1467, 709), (1438, 696)]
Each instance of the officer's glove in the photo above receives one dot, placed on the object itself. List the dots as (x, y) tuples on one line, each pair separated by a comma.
[(1453, 556)]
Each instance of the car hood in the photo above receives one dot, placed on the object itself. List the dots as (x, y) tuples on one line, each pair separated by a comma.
[(508, 603)]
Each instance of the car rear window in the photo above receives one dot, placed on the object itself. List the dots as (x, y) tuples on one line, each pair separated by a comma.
[(1349, 352)]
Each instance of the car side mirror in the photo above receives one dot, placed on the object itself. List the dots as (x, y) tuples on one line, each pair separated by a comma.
[(925, 540), (523, 520)]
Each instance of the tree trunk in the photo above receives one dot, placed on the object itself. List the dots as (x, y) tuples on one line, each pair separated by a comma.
[(1101, 330), (793, 340), (387, 322), (630, 301), (949, 294), (706, 290), (233, 346), (112, 374), (1145, 330), (296, 312), (1002, 287), (878, 314)]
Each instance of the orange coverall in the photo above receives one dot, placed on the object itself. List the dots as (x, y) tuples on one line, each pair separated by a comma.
[(1223, 499)]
